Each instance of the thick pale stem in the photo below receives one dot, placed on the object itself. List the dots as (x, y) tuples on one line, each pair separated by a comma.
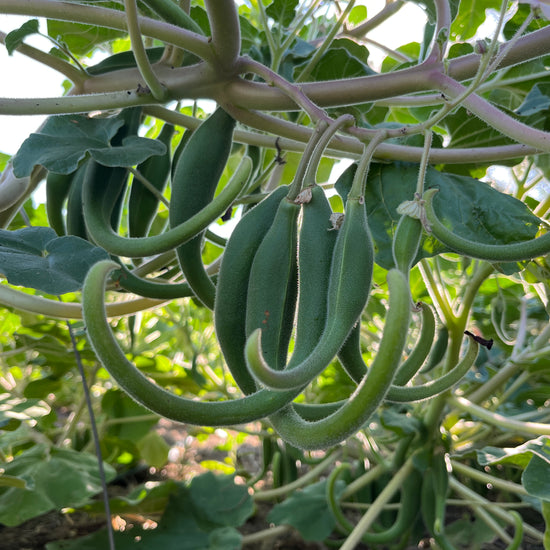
[(112, 19), (157, 89), (226, 32), (491, 115)]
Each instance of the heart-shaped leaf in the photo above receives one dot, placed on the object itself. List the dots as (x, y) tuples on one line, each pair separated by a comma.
[(36, 257), (65, 140)]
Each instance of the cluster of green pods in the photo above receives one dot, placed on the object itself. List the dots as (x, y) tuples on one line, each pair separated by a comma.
[(288, 298)]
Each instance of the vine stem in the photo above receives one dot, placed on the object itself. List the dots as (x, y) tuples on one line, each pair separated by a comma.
[(314, 473), (320, 51), (158, 91), (372, 22), (492, 115), (226, 33), (111, 19), (60, 65), (499, 420), (291, 90), (51, 308), (377, 506), (482, 477), (473, 497), (293, 138)]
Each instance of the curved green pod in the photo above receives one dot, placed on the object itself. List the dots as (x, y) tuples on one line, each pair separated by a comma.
[(349, 288), (149, 288), (408, 394), (272, 289), (422, 348), (103, 235), (513, 252), (142, 204), (408, 509), (232, 286), (75, 219), (364, 401), (194, 183), (219, 413), (406, 242), (315, 249), (57, 190), (350, 355)]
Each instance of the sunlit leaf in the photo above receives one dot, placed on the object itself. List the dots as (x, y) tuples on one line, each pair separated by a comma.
[(15, 38)]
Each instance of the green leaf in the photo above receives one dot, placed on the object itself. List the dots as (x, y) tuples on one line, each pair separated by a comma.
[(471, 14), (134, 149), (283, 11), (117, 405), (65, 140), (546, 516), (517, 20), (536, 477), (80, 38), (307, 510), (35, 257), (15, 38), (357, 15), (55, 478), (41, 388), (344, 59), (519, 456), (225, 538), (218, 500), (123, 60), (148, 499), (153, 449), (14, 410), (470, 207), (538, 99)]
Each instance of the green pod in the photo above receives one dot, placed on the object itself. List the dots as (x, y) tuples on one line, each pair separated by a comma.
[(438, 351), (196, 177), (406, 242), (75, 220), (513, 252), (142, 204), (356, 411), (179, 150), (272, 289), (232, 287), (350, 355), (152, 396), (422, 348), (115, 179), (348, 292), (277, 469), (408, 510), (103, 234), (409, 394), (434, 499), (148, 288), (316, 246), (105, 186), (57, 190)]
